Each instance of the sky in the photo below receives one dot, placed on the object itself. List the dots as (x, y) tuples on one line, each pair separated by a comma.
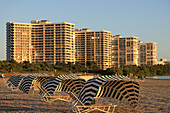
[(147, 19)]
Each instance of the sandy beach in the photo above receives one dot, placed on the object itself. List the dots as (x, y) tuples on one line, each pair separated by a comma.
[(154, 97)]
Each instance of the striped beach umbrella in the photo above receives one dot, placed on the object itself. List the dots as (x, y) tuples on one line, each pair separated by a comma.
[(33, 80), (16, 80), (71, 85), (120, 88), (27, 83), (51, 84), (42, 79)]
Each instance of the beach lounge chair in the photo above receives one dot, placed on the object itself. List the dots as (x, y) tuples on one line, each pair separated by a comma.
[(14, 82), (79, 107), (9, 84), (119, 88), (49, 98), (60, 84), (29, 83)]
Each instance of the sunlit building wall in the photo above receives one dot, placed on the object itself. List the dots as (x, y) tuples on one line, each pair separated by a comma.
[(124, 51), (18, 42), (41, 41), (148, 53), (93, 46)]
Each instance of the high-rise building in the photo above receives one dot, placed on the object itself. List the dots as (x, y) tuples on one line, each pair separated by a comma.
[(18, 42), (93, 46), (41, 41), (148, 53), (124, 50)]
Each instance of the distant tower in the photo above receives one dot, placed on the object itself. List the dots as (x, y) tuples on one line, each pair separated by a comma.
[(148, 53), (19, 45), (93, 46), (124, 50), (41, 41)]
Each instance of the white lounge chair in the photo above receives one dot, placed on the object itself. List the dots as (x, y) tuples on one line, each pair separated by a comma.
[(79, 107), (10, 85), (49, 98)]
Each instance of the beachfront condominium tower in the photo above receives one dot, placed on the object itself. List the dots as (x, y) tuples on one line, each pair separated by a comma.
[(124, 50), (93, 46), (18, 42), (148, 53), (41, 41)]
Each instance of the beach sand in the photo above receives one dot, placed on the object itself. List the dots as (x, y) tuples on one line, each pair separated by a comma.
[(154, 97)]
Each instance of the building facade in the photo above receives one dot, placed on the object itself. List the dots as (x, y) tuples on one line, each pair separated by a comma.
[(124, 50), (93, 46), (18, 42), (41, 41), (148, 53), (162, 61)]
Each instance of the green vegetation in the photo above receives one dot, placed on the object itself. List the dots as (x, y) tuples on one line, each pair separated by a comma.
[(144, 70), (11, 66)]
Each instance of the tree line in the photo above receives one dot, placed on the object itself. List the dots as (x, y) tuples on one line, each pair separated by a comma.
[(11, 66)]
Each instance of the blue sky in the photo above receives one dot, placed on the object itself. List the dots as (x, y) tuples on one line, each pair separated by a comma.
[(147, 19)]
